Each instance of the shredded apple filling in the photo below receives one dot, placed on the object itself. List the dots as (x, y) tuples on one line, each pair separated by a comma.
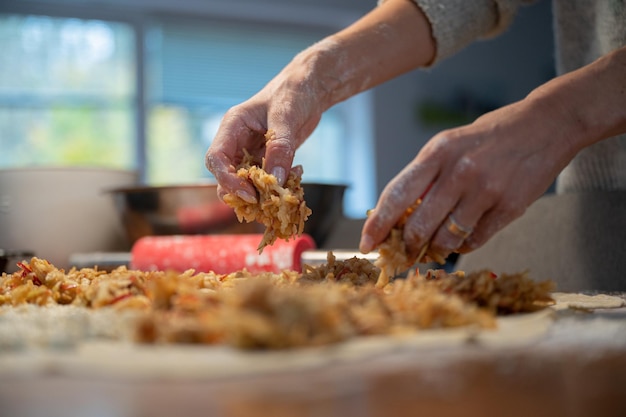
[(393, 255), (328, 304), (282, 210)]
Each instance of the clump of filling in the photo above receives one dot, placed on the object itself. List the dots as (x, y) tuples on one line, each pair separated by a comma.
[(324, 305), (393, 255), (282, 210)]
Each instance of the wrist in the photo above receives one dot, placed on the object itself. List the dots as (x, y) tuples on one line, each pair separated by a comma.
[(589, 104), (329, 76), (555, 117), (392, 39)]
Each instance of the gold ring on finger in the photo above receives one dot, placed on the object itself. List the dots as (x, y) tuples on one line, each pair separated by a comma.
[(457, 229)]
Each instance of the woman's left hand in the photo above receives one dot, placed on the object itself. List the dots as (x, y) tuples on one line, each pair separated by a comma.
[(474, 180), (478, 178)]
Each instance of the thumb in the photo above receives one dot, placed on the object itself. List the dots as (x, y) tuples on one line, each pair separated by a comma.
[(279, 153)]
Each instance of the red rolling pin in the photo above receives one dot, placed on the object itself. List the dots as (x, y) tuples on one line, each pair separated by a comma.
[(222, 254)]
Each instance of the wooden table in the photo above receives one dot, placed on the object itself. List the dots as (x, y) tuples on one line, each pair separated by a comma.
[(576, 368)]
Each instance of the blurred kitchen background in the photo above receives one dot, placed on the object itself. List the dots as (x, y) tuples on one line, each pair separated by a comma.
[(141, 86)]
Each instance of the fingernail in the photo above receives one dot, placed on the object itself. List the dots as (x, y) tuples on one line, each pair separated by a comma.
[(279, 173), (245, 196), (367, 244)]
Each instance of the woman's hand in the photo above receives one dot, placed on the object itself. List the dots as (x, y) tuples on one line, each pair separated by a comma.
[(478, 178), (474, 180), (290, 105), (390, 40)]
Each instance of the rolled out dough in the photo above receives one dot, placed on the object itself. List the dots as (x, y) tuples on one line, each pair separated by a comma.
[(583, 301), (125, 360)]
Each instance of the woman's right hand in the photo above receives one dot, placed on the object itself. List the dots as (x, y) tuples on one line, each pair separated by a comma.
[(290, 106), (390, 40)]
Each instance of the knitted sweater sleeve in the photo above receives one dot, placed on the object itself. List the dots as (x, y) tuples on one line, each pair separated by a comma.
[(457, 23)]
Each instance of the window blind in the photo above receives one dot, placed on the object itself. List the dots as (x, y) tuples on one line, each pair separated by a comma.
[(222, 62)]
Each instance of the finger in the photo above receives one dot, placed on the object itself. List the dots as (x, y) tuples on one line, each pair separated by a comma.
[(228, 180), (297, 170), (221, 192), (476, 199), (483, 231), (400, 194), (460, 220), (224, 155), (280, 151), (489, 224), (457, 226), (423, 223)]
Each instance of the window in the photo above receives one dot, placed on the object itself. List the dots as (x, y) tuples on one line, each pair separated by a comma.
[(197, 70), (69, 95), (66, 92)]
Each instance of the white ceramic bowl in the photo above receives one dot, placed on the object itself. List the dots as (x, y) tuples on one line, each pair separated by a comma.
[(57, 212)]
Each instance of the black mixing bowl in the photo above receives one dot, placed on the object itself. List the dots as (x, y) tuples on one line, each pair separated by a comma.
[(196, 209)]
